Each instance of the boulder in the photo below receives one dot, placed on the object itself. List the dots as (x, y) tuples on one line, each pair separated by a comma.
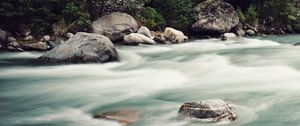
[(46, 38), (125, 117), (14, 46), (11, 39), (215, 16), (240, 32), (210, 110), (174, 35), (135, 39), (40, 46), (250, 32), (228, 36), (82, 48), (69, 35), (115, 26), (145, 31), (28, 38), (160, 38)]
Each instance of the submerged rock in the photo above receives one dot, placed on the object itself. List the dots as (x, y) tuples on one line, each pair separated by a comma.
[(174, 35), (125, 117), (82, 48), (215, 16), (297, 44), (211, 110), (135, 39), (115, 26)]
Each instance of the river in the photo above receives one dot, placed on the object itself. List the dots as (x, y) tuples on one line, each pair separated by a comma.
[(260, 76)]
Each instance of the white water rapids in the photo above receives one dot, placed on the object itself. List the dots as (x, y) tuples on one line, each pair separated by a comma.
[(260, 77)]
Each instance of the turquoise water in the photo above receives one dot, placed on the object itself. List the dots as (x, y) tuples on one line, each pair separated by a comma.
[(260, 76)]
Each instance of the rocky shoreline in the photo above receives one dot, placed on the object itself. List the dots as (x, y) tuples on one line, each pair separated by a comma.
[(214, 19)]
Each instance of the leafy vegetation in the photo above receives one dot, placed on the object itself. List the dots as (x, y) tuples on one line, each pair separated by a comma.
[(45, 16)]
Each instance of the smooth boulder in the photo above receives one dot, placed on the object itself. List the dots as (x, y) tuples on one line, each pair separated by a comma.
[(115, 26), (82, 48), (215, 16), (145, 31), (210, 110), (250, 32), (175, 36), (228, 36), (135, 39)]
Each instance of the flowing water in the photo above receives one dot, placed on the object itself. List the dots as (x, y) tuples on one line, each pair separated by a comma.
[(260, 76)]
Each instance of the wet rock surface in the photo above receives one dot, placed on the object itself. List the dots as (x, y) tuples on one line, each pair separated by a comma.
[(212, 110)]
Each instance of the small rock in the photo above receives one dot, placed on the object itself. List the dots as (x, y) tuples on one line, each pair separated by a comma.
[(227, 36), (175, 36), (210, 110), (250, 32), (145, 31), (11, 39), (13, 44), (46, 38), (135, 39), (69, 35), (240, 32), (125, 117), (28, 38), (40, 46), (160, 39)]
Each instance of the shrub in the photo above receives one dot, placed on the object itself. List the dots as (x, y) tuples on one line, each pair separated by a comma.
[(251, 16), (177, 13), (76, 13), (152, 19), (241, 15)]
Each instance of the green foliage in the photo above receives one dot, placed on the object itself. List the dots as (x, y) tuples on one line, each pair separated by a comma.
[(241, 15), (152, 19), (251, 15), (76, 13), (177, 13)]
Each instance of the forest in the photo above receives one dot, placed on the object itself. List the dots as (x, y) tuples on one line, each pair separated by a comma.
[(57, 17)]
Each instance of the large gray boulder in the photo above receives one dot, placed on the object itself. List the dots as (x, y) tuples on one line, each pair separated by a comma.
[(210, 110), (82, 48), (115, 26), (215, 16), (136, 38)]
